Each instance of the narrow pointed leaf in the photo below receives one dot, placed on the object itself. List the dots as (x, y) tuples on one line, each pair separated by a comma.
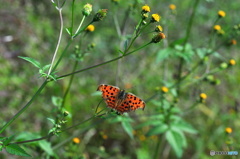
[(32, 61)]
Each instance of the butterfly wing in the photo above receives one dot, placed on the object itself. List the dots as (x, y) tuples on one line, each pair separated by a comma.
[(134, 102), (116, 99), (109, 94), (123, 107)]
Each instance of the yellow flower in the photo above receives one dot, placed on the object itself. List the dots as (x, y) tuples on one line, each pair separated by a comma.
[(233, 42), (128, 85), (145, 9), (104, 136), (217, 27), (158, 28), (142, 137), (90, 28), (76, 140), (203, 96), (232, 62), (164, 89), (228, 130), (158, 37), (172, 6), (155, 18), (221, 14)]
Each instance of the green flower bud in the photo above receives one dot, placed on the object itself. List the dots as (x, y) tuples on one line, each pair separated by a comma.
[(100, 15), (223, 65), (87, 9)]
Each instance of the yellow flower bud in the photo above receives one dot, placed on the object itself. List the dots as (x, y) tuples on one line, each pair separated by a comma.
[(155, 18), (232, 62), (90, 28), (158, 37), (203, 96), (164, 89), (145, 9), (217, 27), (172, 7), (228, 130), (221, 14), (76, 140)]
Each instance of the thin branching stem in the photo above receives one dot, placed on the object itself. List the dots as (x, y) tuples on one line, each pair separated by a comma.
[(51, 134), (80, 24), (59, 40), (25, 107), (69, 85), (188, 31), (103, 63)]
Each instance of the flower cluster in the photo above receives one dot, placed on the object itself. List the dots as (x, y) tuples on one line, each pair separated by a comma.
[(154, 18)]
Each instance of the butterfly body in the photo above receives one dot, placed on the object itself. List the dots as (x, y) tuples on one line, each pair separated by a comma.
[(120, 100)]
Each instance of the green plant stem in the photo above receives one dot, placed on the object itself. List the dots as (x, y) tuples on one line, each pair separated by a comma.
[(62, 55), (80, 24), (204, 76), (69, 85), (59, 40), (33, 140), (188, 31), (137, 34), (104, 63), (50, 135), (186, 111), (195, 67), (157, 150), (72, 16), (25, 107), (84, 28), (212, 34)]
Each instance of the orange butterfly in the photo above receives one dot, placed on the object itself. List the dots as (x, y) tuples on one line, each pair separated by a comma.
[(120, 100)]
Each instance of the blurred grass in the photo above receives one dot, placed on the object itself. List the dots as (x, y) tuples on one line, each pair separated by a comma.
[(34, 26)]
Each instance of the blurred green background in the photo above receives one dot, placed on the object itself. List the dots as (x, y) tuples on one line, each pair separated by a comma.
[(30, 28)]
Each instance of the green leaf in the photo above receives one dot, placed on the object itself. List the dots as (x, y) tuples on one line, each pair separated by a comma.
[(163, 54), (157, 130), (175, 140), (128, 128), (177, 42), (16, 150), (46, 146), (57, 101), (44, 68), (52, 120), (201, 52), (148, 123), (121, 52), (120, 118), (32, 61), (184, 126), (69, 30), (41, 71), (8, 140), (52, 77), (181, 134), (187, 54), (126, 45), (3, 138)]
